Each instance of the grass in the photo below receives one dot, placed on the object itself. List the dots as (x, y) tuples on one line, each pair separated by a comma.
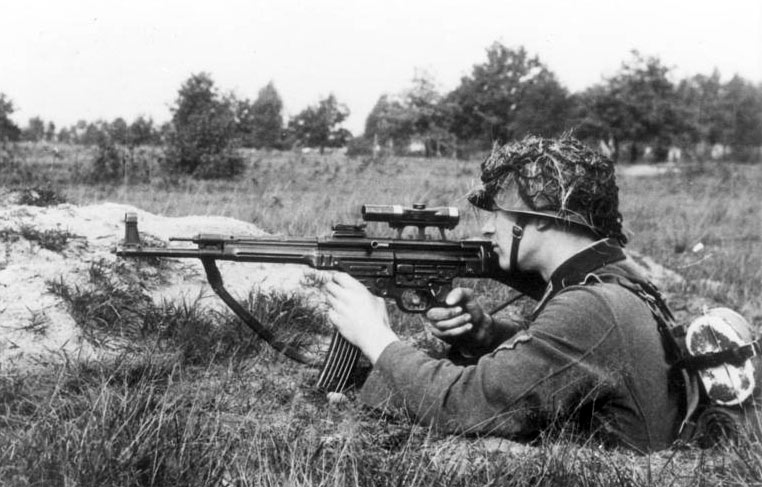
[(196, 400)]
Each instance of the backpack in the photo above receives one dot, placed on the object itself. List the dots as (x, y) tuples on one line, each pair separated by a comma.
[(717, 360)]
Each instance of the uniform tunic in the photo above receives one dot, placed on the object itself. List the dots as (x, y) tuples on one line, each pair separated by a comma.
[(591, 360)]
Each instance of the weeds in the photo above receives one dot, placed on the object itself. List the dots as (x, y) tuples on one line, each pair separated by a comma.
[(54, 240), (106, 309), (38, 323), (40, 196)]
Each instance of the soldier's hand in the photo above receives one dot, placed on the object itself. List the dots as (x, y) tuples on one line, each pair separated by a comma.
[(358, 315), (463, 322)]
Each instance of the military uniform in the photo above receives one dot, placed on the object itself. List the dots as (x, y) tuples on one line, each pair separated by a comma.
[(591, 360)]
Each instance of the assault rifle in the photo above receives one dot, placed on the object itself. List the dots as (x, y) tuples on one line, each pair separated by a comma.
[(417, 273)]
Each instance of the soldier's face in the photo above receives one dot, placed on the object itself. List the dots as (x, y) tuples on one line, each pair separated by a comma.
[(498, 228)]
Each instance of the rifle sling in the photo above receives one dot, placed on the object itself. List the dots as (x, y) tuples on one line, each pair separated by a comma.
[(215, 280)]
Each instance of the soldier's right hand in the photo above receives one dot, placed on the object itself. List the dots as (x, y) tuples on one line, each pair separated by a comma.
[(463, 323)]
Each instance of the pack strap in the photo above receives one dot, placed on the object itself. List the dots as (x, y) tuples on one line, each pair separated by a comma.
[(736, 355), (674, 347)]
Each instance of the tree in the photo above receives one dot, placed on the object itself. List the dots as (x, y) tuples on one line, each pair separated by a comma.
[(699, 97), (118, 131), (389, 123), (638, 105), (50, 132), (431, 117), (35, 130), (741, 102), (261, 122), (65, 136), (508, 96), (95, 133), (202, 141), (417, 113), (9, 131), (142, 132), (318, 126)]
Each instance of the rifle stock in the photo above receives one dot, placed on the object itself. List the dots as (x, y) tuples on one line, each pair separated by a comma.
[(417, 274)]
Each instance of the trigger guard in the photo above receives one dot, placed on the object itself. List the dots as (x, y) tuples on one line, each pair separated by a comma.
[(421, 300)]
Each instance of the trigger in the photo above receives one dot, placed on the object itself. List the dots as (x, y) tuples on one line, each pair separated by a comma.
[(414, 301)]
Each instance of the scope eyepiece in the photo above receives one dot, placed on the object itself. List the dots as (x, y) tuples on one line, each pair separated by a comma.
[(398, 216)]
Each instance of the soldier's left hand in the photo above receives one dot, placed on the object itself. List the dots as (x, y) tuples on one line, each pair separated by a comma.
[(359, 316)]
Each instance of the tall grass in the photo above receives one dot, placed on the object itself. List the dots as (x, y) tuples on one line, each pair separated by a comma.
[(198, 401)]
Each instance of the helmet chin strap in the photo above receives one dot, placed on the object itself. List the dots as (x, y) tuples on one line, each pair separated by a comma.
[(518, 233)]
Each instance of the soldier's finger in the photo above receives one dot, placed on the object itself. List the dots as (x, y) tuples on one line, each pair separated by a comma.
[(459, 295), (452, 332), (459, 320), (439, 314)]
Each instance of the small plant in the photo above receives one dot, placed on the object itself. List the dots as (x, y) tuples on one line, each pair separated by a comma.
[(40, 196), (38, 323), (53, 240), (105, 308)]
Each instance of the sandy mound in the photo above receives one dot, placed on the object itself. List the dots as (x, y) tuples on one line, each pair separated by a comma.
[(35, 325)]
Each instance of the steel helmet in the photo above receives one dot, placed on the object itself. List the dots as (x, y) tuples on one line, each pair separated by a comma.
[(559, 178), (718, 331)]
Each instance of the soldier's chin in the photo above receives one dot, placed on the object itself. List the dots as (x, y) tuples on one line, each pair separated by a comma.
[(503, 260)]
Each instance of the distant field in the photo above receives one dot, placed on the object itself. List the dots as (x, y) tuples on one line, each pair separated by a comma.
[(229, 413)]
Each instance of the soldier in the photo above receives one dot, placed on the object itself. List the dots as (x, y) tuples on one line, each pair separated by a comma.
[(591, 359)]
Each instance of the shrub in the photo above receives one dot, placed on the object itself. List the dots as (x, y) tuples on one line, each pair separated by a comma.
[(53, 240), (359, 146), (40, 196), (108, 165), (202, 140)]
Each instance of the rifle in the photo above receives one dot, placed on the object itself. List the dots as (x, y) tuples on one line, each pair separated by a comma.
[(416, 273)]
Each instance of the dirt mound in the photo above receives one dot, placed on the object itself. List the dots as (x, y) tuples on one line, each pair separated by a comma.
[(43, 245)]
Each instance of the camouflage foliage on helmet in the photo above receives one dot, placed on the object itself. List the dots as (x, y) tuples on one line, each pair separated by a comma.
[(560, 178)]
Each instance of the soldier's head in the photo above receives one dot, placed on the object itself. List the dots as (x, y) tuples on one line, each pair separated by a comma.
[(558, 182)]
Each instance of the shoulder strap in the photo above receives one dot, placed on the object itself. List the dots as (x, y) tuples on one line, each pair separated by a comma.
[(671, 332), (673, 340)]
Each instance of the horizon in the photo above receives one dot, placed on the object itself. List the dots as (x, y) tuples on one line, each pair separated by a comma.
[(127, 60)]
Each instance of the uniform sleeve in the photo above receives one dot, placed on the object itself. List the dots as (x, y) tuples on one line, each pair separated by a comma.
[(567, 357)]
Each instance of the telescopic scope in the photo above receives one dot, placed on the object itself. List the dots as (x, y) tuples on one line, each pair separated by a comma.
[(398, 216)]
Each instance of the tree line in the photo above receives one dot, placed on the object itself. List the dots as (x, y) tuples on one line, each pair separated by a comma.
[(637, 110), (254, 124), (512, 94)]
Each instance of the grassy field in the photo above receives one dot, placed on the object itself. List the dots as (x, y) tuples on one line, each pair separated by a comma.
[(197, 401)]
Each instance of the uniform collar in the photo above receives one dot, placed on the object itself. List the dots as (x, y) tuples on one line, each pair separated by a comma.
[(576, 269)]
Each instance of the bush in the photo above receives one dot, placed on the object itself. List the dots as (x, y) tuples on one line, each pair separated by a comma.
[(202, 141), (108, 165), (222, 165), (359, 146), (40, 196)]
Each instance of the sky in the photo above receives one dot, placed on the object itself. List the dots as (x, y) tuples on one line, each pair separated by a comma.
[(66, 60)]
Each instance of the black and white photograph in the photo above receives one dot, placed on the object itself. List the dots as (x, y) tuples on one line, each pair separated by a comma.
[(371, 243)]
